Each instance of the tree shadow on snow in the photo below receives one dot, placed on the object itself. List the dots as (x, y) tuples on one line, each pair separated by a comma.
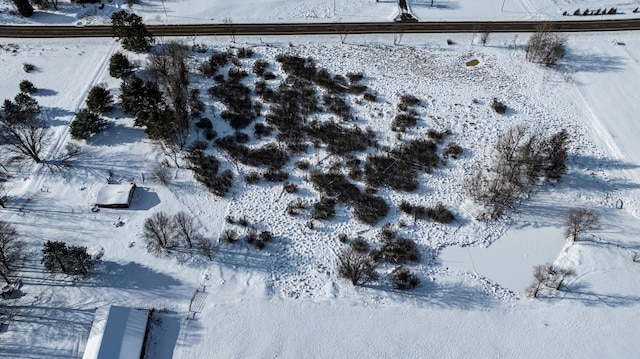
[(443, 295), (575, 62), (117, 134), (580, 292)]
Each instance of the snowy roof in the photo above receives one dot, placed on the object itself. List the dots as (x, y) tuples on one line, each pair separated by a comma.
[(115, 195), (118, 335)]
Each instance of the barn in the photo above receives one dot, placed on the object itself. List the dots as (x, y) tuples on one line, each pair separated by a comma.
[(116, 195), (117, 333)]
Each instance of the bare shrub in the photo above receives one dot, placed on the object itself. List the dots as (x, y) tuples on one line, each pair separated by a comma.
[(452, 150), (579, 221), (403, 279), (398, 250), (360, 245), (370, 208), (229, 236), (545, 47), (294, 208), (160, 174), (498, 106), (290, 187), (252, 177), (359, 268), (324, 208)]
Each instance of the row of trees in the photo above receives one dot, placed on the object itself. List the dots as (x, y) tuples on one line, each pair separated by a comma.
[(163, 233)]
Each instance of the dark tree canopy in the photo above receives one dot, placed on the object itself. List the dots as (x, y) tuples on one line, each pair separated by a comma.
[(120, 66), (131, 32)]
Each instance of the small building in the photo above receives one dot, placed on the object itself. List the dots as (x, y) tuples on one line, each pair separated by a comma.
[(117, 334), (116, 195)]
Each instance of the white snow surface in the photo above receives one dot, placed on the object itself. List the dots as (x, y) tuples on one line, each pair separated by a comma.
[(287, 300)]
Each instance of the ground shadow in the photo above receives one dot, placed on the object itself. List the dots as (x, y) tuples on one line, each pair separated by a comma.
[(132, 276), (580, 61), (117, 134), (45, 92), (144, 199), (164, 328)]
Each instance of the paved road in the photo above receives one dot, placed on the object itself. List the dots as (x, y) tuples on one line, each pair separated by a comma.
[(324, 28)]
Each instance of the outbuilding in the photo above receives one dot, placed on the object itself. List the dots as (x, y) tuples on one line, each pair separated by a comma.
[(116, 195), (117, 333)]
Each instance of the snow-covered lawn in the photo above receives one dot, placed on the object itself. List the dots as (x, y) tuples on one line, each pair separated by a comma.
[(288, 300)]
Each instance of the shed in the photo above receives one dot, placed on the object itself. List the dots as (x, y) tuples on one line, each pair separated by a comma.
[(117, 334), (116, 195)]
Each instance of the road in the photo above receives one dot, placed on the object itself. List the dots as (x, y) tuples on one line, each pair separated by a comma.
[(324, 28)]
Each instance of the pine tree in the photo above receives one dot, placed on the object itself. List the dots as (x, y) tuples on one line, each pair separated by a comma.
[(131, 32), (86, 124), (99, 99), (120, 66)]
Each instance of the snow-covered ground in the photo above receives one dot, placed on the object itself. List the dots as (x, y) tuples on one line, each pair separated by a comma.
[(287, 300)]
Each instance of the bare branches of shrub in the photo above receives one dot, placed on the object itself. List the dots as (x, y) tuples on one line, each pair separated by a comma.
[(545, 47), (403, 279), (579, 221), (357, 267), (548, 276)]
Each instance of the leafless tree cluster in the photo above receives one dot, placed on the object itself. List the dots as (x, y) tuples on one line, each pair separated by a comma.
[(545, 47), (163, 233), (550, 277), (524, 157), (580, 221), (168, 68), (12, 253)]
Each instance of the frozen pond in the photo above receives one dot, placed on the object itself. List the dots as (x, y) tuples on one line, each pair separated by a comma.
[(509, 261)]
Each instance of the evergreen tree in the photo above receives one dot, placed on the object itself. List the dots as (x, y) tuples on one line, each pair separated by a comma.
[(24, 7), (131, 32), (100, 100), (120, 66), (27, 87), (58, 257), (86, 124)]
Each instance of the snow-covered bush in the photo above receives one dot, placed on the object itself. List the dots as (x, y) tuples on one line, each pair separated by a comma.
[(324, 208)]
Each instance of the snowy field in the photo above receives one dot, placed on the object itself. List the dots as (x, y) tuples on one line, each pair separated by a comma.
[(287, 300)]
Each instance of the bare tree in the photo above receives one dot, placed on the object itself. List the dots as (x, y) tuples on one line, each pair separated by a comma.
[(11, 250), (186, 228), (580, 221), (206, 247), (21, 128), (358, 267), (158, 232)]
